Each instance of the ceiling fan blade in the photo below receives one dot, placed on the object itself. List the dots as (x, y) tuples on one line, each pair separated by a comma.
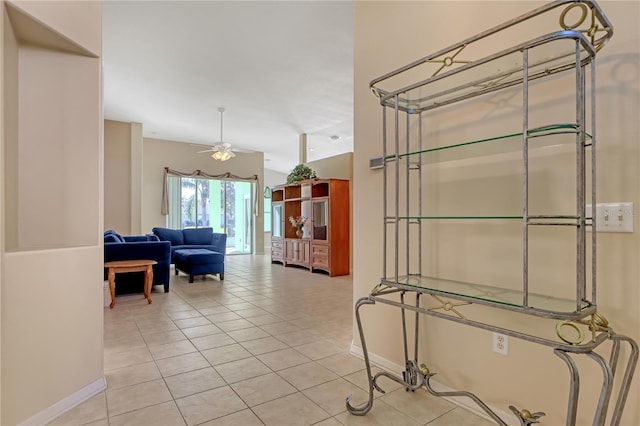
[(250, 151), (224, 148)]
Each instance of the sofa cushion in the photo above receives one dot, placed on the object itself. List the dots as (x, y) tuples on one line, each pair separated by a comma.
[(197, 236), (172, 235)]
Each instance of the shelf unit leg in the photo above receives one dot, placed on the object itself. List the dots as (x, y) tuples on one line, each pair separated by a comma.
[(628, 374), (404, 329), (415, 345), (363, 409), (409, 374), (605, 394), (574, 387), (475, 399)]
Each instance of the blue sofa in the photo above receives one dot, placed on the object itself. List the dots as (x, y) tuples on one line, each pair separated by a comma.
[(192, 238), (118, 247)]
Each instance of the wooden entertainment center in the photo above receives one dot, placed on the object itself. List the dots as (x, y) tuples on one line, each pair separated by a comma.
[(324, 244)]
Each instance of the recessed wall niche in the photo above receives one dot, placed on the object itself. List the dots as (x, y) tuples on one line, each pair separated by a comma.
[(51, 138)]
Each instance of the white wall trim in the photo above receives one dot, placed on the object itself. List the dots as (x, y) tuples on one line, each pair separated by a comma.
[(62, 406), (462, 402)]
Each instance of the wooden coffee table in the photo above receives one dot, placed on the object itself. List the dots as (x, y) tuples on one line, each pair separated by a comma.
[(142, 265)]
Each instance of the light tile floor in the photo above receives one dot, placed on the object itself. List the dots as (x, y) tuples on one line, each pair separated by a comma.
[(268, 346)]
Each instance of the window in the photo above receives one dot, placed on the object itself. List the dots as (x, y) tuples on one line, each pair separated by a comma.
[(224, 205)]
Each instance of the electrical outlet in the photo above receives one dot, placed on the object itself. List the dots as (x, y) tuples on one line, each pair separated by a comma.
[(501, 343), (613, 217)]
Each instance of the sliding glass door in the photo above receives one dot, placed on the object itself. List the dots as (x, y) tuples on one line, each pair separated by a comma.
[(225, 206)]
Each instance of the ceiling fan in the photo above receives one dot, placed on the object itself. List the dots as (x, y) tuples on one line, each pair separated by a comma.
[(221, 150)]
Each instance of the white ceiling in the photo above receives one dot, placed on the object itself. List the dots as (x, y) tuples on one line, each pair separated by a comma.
[(280, 68)]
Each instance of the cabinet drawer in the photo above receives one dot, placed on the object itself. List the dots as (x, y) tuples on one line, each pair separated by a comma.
[(320, 261), (320, 249), (276, 245)]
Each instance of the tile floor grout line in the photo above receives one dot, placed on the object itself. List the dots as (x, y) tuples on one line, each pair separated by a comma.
[(319, 314), (227, 384)]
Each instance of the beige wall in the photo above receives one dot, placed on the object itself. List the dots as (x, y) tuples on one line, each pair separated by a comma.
[(69, 21), (530, 376), (273, 178), (117, 176), (336, 167), (183, 157), (51, 180)]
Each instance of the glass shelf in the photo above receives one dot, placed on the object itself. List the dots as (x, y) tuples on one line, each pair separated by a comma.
[(454, 217), (539, 138), (558, 218), (494, 296), (547, 55)]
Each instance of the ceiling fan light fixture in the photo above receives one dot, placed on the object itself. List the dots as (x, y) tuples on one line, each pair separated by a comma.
[(221, 155), (222, 151)]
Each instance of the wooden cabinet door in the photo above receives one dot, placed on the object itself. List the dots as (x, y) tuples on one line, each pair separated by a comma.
[(277, 220), (297, 252), (289, 250), (305, 249)]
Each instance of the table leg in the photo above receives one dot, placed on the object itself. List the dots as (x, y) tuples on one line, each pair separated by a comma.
[(111, 274), (148, 280)]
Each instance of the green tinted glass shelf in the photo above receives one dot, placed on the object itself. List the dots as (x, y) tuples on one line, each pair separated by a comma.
[(539, 138), (494, 296), (558, 218), (455, 217)]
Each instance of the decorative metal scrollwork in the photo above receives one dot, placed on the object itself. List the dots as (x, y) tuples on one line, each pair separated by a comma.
[(378, 288), (448, 306), (525, 416), (591, 31), (567, 339), (597, 323), (447, 61)]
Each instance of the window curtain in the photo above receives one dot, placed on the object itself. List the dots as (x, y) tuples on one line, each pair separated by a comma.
[(164, 210)]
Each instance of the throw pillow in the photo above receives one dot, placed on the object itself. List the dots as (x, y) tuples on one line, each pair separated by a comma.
[(198, 236), (111, 238), (119, 238), (172, 235)]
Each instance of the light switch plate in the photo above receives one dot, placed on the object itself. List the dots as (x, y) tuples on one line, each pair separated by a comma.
[(613, 217)]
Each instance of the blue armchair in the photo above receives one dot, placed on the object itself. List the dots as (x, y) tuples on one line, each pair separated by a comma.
[(118, 247)]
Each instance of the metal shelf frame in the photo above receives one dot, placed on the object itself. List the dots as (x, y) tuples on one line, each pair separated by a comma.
[(451, 79)]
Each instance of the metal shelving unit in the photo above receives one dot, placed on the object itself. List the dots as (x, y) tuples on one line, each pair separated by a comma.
[(573, 33)]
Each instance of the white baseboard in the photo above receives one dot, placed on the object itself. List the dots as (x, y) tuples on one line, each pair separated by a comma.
[(60, 407), (460, 401)]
